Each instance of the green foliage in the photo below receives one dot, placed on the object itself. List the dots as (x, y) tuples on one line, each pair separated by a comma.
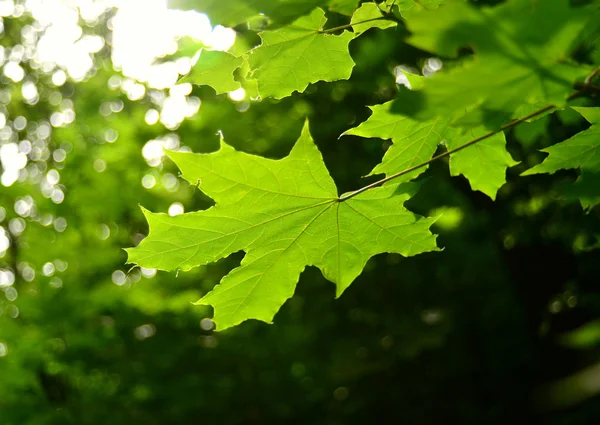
[(514, 62), (483, 164), (581, 152), (215, 69), (369, 14), (414, 141), (345, 7), (292, 57), (507, 312), (236, 12), (407, 5), (286, 215), (283, 215)]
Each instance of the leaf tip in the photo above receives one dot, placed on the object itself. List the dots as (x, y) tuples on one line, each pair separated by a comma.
[(144, 210)]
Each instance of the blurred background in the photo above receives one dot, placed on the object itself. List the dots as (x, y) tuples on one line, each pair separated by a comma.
[(502, 326)]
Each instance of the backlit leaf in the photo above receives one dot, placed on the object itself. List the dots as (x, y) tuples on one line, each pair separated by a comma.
[(514, 62), (414, 141), (286, 215), (292, 57), (371, 17), (484, 163), (215, 69), (582, 151)]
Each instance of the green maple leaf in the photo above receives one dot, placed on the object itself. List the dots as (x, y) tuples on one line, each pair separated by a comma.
[(215, 69), (285, 214), (521, 56), (234, 12), (292, 57), (484, 164), (368, 16), (414, 142), (582, 151)]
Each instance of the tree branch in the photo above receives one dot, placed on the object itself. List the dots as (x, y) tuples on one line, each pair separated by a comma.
[(593, 75), (386, 17)]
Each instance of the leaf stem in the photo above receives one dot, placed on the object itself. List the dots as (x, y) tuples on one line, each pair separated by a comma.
[(590, 77), (347, 26), (581, 87)]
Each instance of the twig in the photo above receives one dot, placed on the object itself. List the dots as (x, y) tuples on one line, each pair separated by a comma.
[(590, 77), (350, 25)]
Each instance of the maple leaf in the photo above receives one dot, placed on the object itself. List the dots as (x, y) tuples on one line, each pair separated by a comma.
[(582, 151), (415, 142), (515, 62), (369, 16), (215, 69), (286, 215), (484, 164), (292, 57)]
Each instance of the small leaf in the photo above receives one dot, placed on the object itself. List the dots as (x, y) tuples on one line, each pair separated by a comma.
[(407, 5), (215, 69), (484, 163), (371, 15), (292, 57), (285, 214), (580, 151)]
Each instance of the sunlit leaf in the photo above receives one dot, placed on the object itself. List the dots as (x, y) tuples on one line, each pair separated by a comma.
[(370, 16), (285, 214), (407, 5), (292, 57), (484, 163), (514, 61), (414, 141), (215, 69), (582, 151)]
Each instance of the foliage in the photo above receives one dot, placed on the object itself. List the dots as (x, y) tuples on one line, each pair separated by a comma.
[(452, 108), (285, 214), (498, 324), (515, 63)]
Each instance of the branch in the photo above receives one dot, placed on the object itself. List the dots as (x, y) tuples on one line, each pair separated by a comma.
[(384, 17), (583, 90), (593, 75)]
